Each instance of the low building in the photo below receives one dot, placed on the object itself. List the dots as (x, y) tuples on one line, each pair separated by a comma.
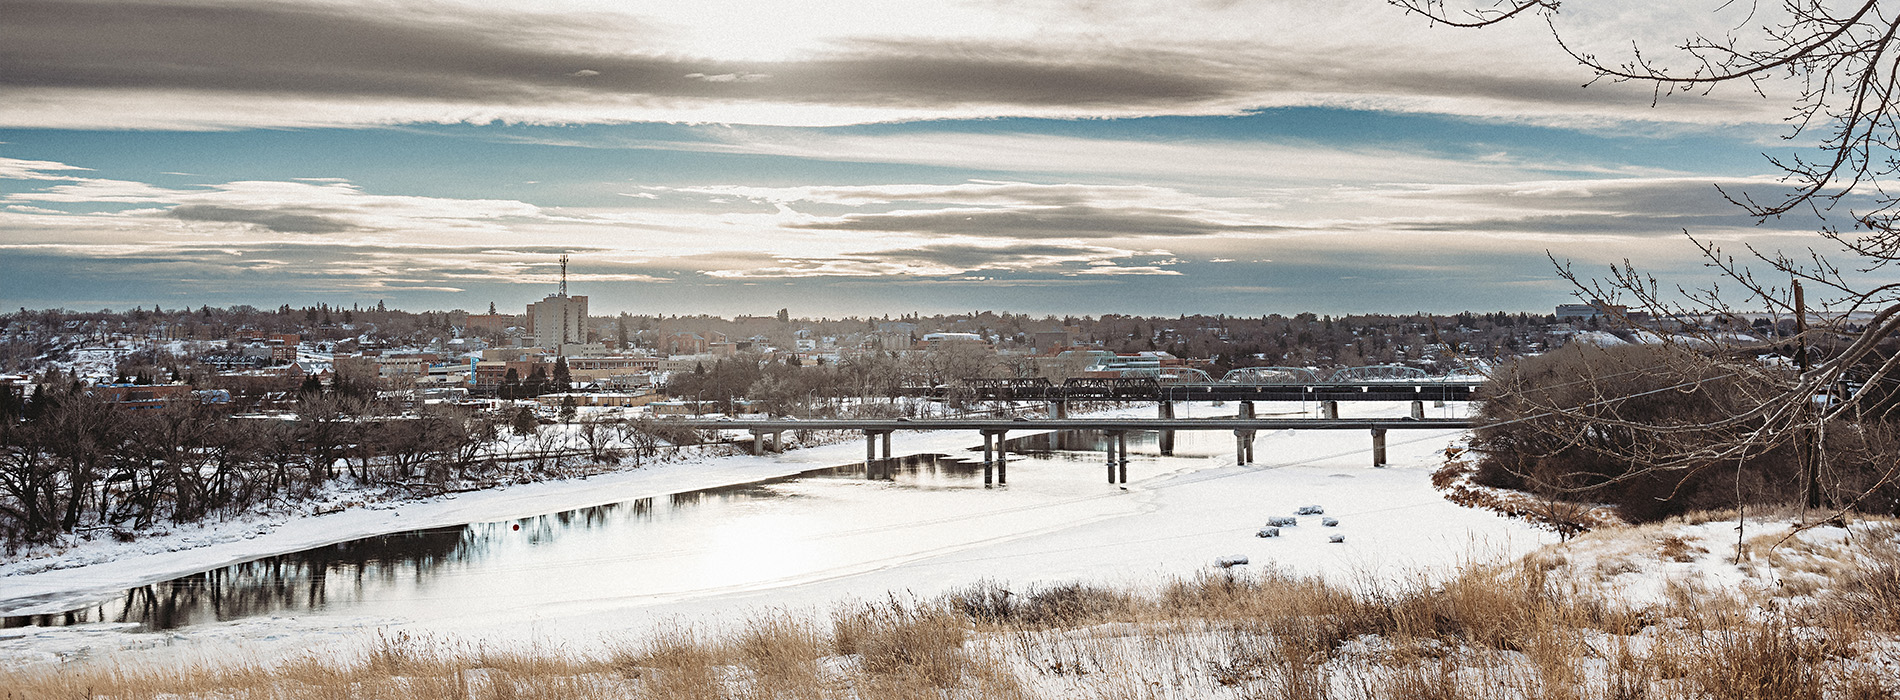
[(619, 399), (1594, 309), (140, 396), (676, 407), (480, 324)]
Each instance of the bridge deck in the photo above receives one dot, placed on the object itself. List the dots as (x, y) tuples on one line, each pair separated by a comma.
[(1108, 424), (1125, 390)]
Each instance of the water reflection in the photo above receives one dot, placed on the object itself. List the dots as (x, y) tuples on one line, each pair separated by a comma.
[(412, 566)]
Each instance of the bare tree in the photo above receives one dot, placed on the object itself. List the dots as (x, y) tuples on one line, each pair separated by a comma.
[(1840, 61)]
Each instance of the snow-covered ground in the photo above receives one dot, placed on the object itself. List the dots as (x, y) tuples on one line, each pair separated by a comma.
[(1175, 517)]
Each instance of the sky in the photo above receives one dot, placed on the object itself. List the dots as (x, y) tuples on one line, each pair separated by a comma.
[(848, 157)]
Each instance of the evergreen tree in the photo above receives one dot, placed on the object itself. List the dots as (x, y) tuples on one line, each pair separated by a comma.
[(524, 422), (510, 385), (537, 383), (563, 380), (568, 409)]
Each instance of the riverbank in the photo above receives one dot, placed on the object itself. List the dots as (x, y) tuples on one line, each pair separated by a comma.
[(1531, 627), (1177, 516)]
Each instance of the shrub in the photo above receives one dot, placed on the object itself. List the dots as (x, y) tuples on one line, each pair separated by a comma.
[(1639, 426)]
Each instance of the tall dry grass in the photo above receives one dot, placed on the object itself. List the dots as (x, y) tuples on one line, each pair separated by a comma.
[(1510, 631)]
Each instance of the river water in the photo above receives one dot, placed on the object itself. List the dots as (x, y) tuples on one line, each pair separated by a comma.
[(821, 524)]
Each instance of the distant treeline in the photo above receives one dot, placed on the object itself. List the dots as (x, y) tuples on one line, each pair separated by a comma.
[(71, 462), (33, 340)]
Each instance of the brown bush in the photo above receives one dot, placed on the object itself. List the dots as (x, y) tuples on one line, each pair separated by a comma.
[(1642, 427)]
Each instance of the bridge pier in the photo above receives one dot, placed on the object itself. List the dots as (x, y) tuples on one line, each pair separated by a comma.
[(873, 469), (1243, 439), (1108, 450), (1418, 410), (758, 442), (1121, 450), (1002, 458), (1329, 409), (1378, 447), (1166, 412), (989, 462)]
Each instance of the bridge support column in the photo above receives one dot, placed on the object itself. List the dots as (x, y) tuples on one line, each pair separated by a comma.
[(1329, 410), (1108, 450), (870, 454), (989, 465), (1243, 439), (1002, 458), (1121, 449), (758, 442), (1418, 410), (1167, 436), (778, 441), (1378, 447), (887, 444)]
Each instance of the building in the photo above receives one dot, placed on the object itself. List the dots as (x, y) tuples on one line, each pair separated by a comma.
[(1591, 310), (1050, 342), (489, 375), (684, 343), (623, 372), (557, 321), (140, 396), (482, 324)]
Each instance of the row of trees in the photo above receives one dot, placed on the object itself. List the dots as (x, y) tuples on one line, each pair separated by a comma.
[(70, 462)]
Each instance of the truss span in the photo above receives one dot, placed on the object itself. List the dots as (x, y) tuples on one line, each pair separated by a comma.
[(1271, 375), (1378, 373)]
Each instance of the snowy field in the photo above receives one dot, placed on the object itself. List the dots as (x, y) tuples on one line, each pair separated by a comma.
[(1175, 517)]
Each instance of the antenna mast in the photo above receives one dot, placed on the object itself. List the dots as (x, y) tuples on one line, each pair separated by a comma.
[(563, 275)]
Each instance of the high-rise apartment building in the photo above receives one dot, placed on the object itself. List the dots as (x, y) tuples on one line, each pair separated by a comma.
[(558, 320)]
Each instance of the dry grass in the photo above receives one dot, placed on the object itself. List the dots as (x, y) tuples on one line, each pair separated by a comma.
[(1515, 631)]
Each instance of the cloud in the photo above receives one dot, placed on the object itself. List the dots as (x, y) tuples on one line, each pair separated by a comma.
[(282, 49), (1624, 206), (1012, 210), (1068, 222), (212, 64), (299, 206), (17, 169), (275, 220)]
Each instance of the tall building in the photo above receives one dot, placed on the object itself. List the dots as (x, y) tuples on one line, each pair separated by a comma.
[(560, 319)]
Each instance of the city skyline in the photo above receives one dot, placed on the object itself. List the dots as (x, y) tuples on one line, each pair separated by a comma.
[(852, 159)]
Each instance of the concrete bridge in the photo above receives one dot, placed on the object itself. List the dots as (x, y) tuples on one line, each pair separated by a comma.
[(1150, 389), (995, 430)]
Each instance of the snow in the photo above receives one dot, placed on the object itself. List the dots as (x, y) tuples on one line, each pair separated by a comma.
[(1177, 516), (1643, 565)]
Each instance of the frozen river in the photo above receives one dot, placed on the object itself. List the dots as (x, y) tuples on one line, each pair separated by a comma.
[(814, 538)]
